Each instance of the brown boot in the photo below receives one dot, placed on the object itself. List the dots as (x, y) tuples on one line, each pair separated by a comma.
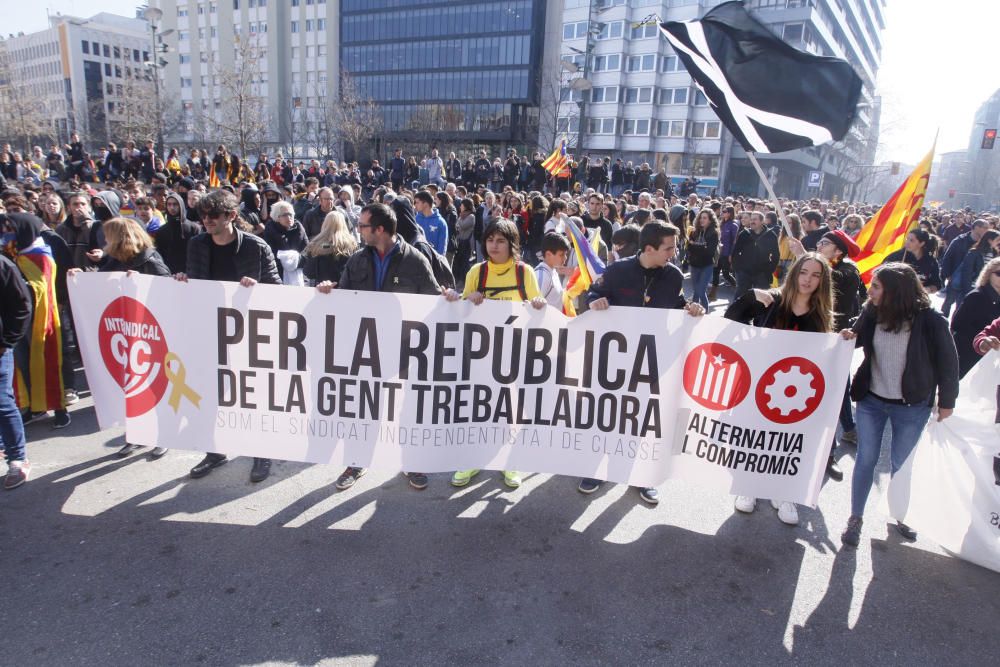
[(713, 292)]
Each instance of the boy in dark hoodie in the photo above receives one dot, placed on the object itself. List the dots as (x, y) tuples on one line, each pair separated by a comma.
[(172, 238)]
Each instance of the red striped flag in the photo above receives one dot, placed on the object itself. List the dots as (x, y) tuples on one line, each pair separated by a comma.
[(558, 160), (886, 232)]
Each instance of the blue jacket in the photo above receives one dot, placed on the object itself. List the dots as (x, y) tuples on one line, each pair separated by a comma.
[(435, 229), (626, 283)]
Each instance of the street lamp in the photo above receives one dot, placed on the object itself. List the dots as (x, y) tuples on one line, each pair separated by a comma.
[(153, 16)]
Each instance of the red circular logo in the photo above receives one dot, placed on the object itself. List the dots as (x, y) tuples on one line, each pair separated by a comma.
[(790, 390), (716, 377), (134, 349)]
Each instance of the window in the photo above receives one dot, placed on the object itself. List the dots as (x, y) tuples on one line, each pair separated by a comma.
[(310, 24), (182, 11), (646, 63), (295, 27), (604, 94), (107, 69), (184, 59), (705, 129), (570, 124), (642, 95), (185, 82), (135, 55), (635, 127), (699, 99), (609, 63), (85, 45), (601, 125), (106, 50), (612, 30), (792, 32), (645, 31), (295, 3), (321, 24), (570, 95), (670, 128), (97, 48), (321, 50), (183, 35), (236, 5), (605, 4), (671, 64), (674, 96), (118, 53), (575, 30)]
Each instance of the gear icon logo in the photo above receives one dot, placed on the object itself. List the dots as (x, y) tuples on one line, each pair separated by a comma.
[(790, 390)]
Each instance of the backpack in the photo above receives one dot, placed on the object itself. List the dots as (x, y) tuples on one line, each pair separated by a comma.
[(439, 265), (518, 274)]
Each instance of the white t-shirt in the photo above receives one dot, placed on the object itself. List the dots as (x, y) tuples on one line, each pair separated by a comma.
[(550, 285)]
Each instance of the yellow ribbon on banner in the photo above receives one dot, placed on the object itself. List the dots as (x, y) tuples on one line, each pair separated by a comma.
[(180, 387)]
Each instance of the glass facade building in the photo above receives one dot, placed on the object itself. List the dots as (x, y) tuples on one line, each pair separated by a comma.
[(449, 71)]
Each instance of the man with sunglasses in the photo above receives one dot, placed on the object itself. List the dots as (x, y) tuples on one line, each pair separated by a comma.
[(226, 253)]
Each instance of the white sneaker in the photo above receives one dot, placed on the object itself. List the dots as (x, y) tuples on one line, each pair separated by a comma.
[(745, 504), (786, 512)]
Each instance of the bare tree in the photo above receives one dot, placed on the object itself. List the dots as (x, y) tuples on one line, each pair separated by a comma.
[(558, 101), (242, 121), (23, 114), (357, 117), (322, 128), (295, 124)]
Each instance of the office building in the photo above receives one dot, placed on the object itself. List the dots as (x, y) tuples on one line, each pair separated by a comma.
[(640, 104), (79, 74)]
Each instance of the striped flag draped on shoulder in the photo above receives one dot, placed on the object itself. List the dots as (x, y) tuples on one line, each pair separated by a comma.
[(770, 95)]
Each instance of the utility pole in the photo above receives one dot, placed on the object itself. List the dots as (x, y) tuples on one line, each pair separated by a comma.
[(584, 94), (153, 15)]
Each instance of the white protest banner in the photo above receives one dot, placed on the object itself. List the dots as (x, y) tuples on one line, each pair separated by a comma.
[(949, 488), (417, 383)]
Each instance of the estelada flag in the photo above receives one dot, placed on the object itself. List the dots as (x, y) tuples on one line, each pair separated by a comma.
[(886, 232), (589, 268), (213, 178), (558, 160)]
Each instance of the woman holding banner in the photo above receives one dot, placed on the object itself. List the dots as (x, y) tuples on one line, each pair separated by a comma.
[(803, 303), (503, 277), (981, 306), (910, 358)]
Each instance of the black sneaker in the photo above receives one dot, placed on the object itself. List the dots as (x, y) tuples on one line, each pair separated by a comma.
[(128, 449), (261, 470), (418, 480), (649, 495), (207, 465), (349, 477), (852, 534), (833, 470), (588, 485), (157, 452), (907, 532), (61, 420)]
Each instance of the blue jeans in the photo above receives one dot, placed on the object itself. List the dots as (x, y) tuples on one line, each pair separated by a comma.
[(908, 422), (846, 416), (701, 276), (11, 426)]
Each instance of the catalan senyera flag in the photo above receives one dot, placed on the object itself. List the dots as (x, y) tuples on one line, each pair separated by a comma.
[(42, 390), (886, 232), (588, 268), (558, 160)]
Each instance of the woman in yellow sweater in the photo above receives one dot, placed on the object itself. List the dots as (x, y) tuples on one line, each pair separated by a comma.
[(504, 278)]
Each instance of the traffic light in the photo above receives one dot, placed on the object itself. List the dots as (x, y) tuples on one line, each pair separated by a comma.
[(989, 137)]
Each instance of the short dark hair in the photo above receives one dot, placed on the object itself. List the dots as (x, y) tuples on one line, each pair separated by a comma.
[(653, 233), (218, 202), (554, 242), (506, 229), (382, 216), (813, 216), (424, 196), (144, 201), (312, 180)]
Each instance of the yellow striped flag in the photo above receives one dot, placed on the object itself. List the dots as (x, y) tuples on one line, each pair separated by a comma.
[(886, 232), (213, 178), (558, 160)]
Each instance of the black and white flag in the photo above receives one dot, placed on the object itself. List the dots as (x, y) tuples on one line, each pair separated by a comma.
[(770, 95)]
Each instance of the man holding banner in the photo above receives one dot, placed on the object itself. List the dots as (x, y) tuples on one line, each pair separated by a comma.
[(226, 253), (646, 280)]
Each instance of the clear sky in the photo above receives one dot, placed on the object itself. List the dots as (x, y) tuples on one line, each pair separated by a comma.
[(939, 63)]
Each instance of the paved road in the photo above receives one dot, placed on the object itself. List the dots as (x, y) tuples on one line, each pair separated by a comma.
[(129, 562)]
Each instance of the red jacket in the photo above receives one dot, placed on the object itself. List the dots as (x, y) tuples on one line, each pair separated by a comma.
[(992, 329)]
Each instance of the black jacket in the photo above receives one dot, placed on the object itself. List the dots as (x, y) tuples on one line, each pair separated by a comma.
[(253, 258), (981, 306), (755, 253), (15, 304), (810, 240), (956, 252), (279, 238), (172, 243), (409, 272), (324, 267), (148, 263), (748, 310), (926, 267), (931, 360), (602, 224), (848, 293), (627, 283), (703, 248)]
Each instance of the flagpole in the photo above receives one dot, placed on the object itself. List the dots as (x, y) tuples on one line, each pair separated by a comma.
[(770, 191)]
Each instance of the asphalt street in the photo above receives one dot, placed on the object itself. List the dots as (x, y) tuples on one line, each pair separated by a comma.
[(114, 561)]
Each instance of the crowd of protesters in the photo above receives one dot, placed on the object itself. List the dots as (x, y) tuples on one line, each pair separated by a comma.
[(482, 227)]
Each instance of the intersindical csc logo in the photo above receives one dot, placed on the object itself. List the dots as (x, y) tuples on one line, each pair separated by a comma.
[(136, 355)]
